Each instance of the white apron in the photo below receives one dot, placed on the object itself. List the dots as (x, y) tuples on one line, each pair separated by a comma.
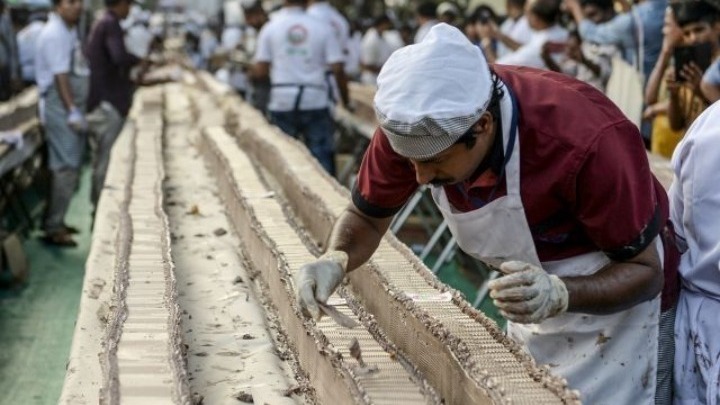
[(697, 348), (610, 359)]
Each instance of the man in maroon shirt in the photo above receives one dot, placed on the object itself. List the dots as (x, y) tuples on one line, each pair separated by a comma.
[(539, 176), (111, 89)]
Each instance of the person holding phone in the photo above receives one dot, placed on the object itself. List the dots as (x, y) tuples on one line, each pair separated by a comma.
[(690, 40)]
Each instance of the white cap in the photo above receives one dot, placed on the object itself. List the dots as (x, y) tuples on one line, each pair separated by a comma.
[(429, 94), (447, 7)]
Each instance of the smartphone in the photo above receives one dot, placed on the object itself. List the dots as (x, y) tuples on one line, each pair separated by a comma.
[(700, 54)]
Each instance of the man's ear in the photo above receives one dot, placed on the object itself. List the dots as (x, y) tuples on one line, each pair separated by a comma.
[(484, 125)]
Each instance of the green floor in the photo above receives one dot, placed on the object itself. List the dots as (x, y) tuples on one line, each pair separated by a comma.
[(37, 320)]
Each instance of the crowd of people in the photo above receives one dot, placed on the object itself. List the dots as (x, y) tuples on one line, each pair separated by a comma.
[(503, 116), (85, 80)]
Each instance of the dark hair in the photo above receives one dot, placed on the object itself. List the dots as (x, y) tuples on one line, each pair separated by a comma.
[(56, 3), (484, 14), (546, 10), (493, 108), (601, 4), (255, 7), (112, 3), (517, 3), (693, 11), (300, 2), (382, 19), (427, 9)]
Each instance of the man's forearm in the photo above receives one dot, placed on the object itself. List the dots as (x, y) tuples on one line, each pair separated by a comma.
[(342, 82), (508, 42), (358, 236), (62, 81), (617, 287)]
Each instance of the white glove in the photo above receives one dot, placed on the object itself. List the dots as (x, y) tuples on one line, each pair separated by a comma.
[(527, 294), (76, 120), (317, 281)]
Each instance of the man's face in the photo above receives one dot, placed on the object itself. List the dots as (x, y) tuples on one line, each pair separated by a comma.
[(698, 33), (69, 11), (256, 19), (123, 9), (458, 162)]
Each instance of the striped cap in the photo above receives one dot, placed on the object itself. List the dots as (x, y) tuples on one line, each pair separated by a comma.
[(429, 94)]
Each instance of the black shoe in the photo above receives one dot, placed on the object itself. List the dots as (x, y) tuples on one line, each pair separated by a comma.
[(60, 239)]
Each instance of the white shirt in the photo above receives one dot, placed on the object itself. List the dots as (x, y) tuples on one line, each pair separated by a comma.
[(695, 202), (340, 26), (518, 30), (423, 30), (56, 45), (299, 48), (530, 54), (231, 37), (208, 43), (27, 42), (376, 50), (138, 39), (352, 58)]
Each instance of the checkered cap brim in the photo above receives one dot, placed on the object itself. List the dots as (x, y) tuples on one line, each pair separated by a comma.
[(427, 137)]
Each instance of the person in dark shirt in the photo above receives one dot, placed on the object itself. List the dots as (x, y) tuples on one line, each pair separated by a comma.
[(541, 177), (111, 89)]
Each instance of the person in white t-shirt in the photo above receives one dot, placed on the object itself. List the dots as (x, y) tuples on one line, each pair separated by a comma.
[(694, 201), (542, 16), (294, 50), (324, 11), (376, 49), (354, 49), (63, 81), (27, 42), (514, 31), (426, 12)]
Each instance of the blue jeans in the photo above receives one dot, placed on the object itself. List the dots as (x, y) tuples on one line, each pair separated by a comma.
[(315, 127)]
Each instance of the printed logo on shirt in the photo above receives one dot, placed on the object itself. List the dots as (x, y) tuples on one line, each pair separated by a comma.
[(297, 35)]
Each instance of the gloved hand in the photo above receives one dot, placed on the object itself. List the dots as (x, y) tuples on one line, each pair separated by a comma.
[(76, 120), (316, 281), (527, 294)]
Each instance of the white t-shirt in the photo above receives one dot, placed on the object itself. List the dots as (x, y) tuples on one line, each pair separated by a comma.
[(376, 50), (340, 26), (56, 52), (423, 30), (298, 48), (138, 39), (518, 30), (231, 37), (27, 42), (352, 58), (530, 54)]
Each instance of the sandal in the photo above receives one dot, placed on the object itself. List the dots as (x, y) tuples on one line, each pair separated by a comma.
[(59, 239)]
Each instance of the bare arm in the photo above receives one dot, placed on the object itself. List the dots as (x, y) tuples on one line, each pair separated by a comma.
[(358, 235), (656, 77), (62, 81), (710, 92), (338, 70), (617, 287), (260, 72), (507, 41)]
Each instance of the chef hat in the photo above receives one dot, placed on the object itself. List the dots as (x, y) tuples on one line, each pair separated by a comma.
[(429, 94)]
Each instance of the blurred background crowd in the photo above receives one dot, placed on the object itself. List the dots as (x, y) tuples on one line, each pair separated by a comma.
[(673, 45)]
